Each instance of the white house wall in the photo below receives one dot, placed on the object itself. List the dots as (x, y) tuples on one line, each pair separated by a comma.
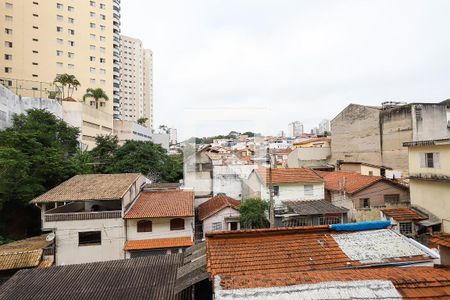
[(290, 192), (220, 217), (160, 229)]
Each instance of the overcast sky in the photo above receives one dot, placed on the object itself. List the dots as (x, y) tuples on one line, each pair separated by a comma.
[(258, 65)]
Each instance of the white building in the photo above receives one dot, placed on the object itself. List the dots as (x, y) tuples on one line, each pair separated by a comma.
[(295, 129), (324, 126), (128, 130), (173, 136), (219, 213), (136, 81), (229, 179), (85, 214)]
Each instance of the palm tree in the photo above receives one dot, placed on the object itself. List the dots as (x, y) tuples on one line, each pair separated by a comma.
[(96, 94), (68, 80)]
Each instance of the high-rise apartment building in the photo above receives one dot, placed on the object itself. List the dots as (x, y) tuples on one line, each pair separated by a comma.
[(295, 129), (136, 81), (324, 126), (42, 38)]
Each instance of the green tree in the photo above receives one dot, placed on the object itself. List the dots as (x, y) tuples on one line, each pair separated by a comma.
[(63, 80), (96, 94), (142, 121), (36, 154), (253, 213), (103, 153)]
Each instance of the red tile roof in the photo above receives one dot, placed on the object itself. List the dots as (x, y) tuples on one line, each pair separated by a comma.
[(289, 175), (441, 240), (352, 182), (158, 243), (403, 214), (276, 250), (414, 282), (216, 204), (162, 204)]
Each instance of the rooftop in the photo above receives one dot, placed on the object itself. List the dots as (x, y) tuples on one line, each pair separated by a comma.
[(378, 283), (216, 204), (289, 175), (162, 204), (151, 277), (314, 207), (25, 253), (90, 187), (403, 214), (158, 243), (307, 248), (441, 240), (427, 143)]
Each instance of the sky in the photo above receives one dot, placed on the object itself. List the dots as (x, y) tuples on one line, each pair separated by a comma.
[(260, 64)]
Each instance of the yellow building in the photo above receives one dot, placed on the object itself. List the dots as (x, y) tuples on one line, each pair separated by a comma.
[(429, 173), (42, 38)]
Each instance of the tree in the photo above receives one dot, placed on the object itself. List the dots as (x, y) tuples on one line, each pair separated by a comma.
[(253, 213), (68, 80), (142, 121), (97, 94), (36, 154), (104, 151)]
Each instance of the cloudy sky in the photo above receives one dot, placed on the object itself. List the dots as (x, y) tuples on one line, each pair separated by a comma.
[(260, 64)]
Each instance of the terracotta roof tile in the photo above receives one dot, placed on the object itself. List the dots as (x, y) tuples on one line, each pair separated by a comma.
[(414, 282), (289, 175), (403, 214), (162, 204), (354, 182), (264, 251), (90, 187), (216, 204), (441, 240), (158, 243), (22, 254)]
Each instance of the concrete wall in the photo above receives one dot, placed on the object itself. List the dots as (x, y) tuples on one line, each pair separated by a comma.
[(290, 192), (220, 217), (356, 135), (11, 104), (128, 130), (414, 160), (430, 122), (69, 252), (200, 181), (160, 229), (361, 169), (162, 139), (308, 157)]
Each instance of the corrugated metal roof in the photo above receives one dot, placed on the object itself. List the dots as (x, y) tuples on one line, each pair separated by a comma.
[(314, 207), (151, 277)]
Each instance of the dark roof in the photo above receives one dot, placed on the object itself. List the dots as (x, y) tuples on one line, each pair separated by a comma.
[(314, 207), (193, 269), (151, 277), (427, 143)]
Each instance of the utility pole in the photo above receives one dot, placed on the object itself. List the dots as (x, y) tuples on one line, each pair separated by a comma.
[(271, 204)]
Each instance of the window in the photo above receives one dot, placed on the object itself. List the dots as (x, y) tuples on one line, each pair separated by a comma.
[(394, 198), (92, 14), (92, 80), (92, 58), (216, 226), (102, 71), (102, 49), (370, 173), (102, 27), (92, 3), (71, 66), (59, 6), (102, 38), (92, 47), (71, 20), (59, 29), (406, 228), (71, 43), (429, 160), (59, 41), (35, 27), (329, 220), (144, 226), (8, 57), (103, 17), (8, 44), (59, 64), (102, 82), (89, 238), (177, 224), (92, 36), (35, 40), (364, 203), (102, 6), (102, 60), (70, 8), (70, 54), (8, 5), (8, 18), (59, 53), (59, 18), (35, 15), (8, 31), (309, 190), (92, 25), (276, 190), (71, 32), (8, 70), (92, 70)]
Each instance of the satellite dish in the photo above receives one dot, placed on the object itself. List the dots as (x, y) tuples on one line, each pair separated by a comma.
[(50, 237)]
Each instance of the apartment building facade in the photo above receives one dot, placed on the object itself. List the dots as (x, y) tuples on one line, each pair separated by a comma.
[(137, 81), (41, 39)]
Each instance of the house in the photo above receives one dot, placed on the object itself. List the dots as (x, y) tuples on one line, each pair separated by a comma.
[(229, 179), (34, 252), (375, 135), (310, 212), (151, 277), (429, 177), (363, 195), (443, 243), (159, 222), (310, 157), (289, 184), (198, 174), (362, 168), (85, 214), (219, 213), (379, 283), (403, 219)]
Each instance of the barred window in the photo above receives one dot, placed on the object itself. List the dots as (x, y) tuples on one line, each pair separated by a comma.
[(406, 228), (217, 226), (144, 226)]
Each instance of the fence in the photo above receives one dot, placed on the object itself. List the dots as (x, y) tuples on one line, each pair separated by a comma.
[(30, 88)]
